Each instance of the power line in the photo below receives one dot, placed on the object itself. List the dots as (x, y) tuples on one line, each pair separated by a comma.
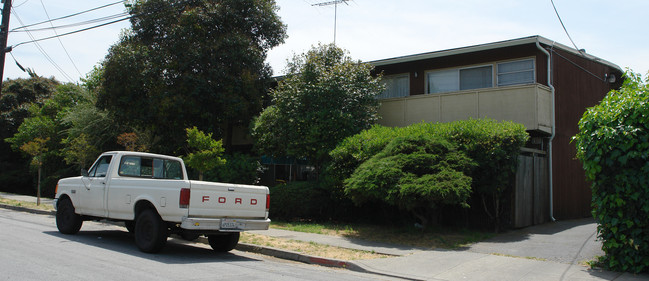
[(564, 27), (60, 42), (38, 46), (68, 16), (71, 32), (87, 22), (100, 25)]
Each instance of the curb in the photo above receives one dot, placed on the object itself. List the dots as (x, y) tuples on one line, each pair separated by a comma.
[(295, 256), (28, 210)]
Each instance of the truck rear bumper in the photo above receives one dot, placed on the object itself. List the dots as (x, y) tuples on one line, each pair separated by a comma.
[(224, 225)]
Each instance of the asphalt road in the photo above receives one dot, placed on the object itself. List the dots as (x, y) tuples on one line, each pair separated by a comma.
[(31, 248)]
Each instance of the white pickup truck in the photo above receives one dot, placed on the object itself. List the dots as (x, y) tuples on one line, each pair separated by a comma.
[(152, 195)]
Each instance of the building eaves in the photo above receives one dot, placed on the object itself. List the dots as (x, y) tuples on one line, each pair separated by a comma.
[(491, 46)]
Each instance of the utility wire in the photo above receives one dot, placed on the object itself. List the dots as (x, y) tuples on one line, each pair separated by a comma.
[(96, 26), (68, 16), (564, 27), (60, 42), (71, 32), (38, 46), (102, 19)]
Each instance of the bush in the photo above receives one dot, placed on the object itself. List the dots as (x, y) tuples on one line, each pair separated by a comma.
[(494, 146), (613, 145), (238, 168), (299, 200), (415, 173)]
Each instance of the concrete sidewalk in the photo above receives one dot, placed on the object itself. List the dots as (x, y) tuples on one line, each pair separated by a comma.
[(551, 251)]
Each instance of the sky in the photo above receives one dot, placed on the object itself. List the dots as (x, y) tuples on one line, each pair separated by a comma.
[(368, 29)]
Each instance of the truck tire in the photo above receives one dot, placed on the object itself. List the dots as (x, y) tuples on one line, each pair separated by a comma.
[(150, 231), (224, 242), (67, 221), (130, 226)]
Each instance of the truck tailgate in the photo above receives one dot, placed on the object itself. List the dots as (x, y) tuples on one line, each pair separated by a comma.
[(221, 200)]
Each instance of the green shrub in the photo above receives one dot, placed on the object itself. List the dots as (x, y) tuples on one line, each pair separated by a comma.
[(613, 145), (493, 145), (238, 168), (298, 200), (415, 173)]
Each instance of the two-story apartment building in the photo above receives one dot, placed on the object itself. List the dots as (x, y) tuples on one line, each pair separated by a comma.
[(535, 81)]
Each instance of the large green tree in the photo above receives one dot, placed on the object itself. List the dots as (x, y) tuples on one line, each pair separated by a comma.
[(325, 97), (45, 123), (187, 63), (15, 100)]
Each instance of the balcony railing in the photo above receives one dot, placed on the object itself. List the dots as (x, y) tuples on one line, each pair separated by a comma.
[(529, 105)]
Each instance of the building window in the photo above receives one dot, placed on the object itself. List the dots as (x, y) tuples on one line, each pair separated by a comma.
[(516, 72), (396, 86), (451, 80)]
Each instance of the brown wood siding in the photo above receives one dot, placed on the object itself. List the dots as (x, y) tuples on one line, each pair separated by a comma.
[(575, 90)]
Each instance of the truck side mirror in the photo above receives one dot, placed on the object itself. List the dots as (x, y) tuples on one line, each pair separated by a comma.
[(84, 172)]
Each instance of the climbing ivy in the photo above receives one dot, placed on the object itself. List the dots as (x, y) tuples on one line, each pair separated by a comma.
[(613, 145)]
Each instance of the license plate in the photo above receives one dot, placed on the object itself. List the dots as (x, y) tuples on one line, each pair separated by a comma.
[(232, 224)]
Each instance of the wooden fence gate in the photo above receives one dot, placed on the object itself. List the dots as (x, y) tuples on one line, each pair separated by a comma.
[(532, 190)]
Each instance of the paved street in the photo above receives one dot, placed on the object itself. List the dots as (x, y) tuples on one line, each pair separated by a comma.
[(33, 249)]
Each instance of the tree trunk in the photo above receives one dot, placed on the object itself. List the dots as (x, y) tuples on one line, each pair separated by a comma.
[(227, 139), (38, 187)]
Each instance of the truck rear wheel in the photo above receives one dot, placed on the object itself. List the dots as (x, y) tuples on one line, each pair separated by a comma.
[(150, 231), (67, 221), (224, 242)]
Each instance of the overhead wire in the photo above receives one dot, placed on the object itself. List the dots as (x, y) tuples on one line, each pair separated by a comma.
[(564, 27), (82, 23), (60, 42), (40, 48), (68, 16), (95, 26)]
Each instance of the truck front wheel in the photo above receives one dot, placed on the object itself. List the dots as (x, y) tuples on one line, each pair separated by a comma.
[(67, 221), (224, 242), (150, 232)]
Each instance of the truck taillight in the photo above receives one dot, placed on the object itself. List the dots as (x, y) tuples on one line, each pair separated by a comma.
[(56, 189), (184, 198), (267, 202)]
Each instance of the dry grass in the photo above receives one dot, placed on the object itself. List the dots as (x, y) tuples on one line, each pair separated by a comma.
[(431, 238), (309, 248), (16, 203)]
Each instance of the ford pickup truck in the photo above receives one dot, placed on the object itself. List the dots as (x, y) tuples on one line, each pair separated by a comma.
[(153, 196)]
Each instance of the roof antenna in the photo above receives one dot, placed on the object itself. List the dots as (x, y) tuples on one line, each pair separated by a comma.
[(335, 3)]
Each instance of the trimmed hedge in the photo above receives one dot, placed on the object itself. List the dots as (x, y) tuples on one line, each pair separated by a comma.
[(613, 145), (493, 145), (416, 173)]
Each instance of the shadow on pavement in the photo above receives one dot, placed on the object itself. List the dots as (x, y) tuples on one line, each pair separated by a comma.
[(176, 251)]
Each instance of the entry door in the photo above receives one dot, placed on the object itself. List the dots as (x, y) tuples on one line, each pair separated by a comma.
[(92, 196)]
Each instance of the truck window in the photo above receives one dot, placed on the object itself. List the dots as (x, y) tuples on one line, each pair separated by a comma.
[(136, 166), (101, 167)]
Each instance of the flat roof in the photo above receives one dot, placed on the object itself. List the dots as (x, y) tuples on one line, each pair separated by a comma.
[(491, 46)]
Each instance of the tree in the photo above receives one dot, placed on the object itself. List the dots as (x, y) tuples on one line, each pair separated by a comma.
[(15, 100), (207, 152), (191, 62), (98, 128), (79, 151), (324, 98), (36, 149), (46, 122), (613, 145)]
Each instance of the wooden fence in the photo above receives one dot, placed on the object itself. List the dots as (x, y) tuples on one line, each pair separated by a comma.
[(531, 204)]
